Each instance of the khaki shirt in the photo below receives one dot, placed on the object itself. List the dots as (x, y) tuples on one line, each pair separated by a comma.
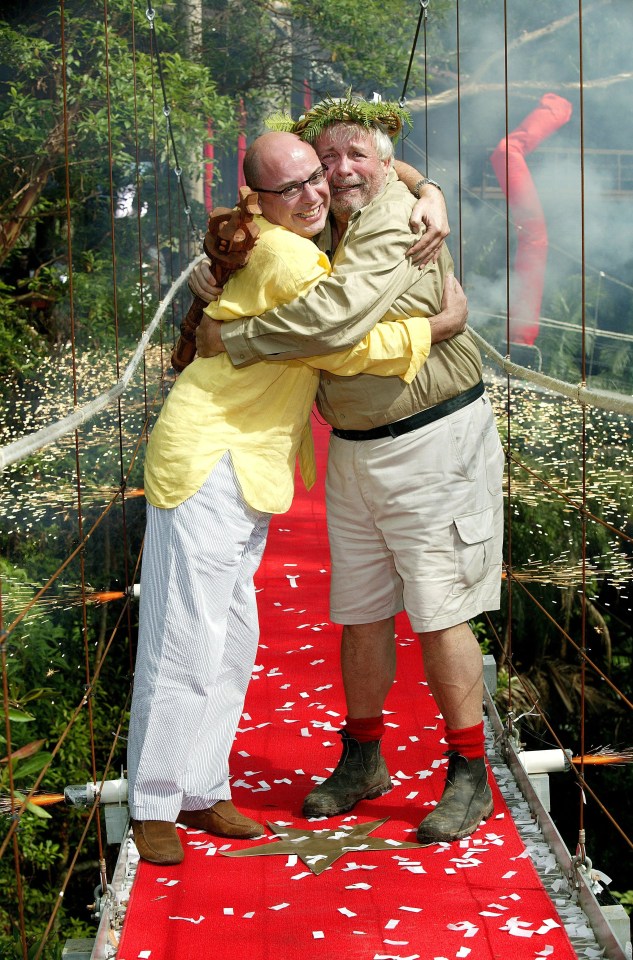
[(261, 413), (372, 280)]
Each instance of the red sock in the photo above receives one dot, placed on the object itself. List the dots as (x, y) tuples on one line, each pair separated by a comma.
[(365, 729), (469, 741)]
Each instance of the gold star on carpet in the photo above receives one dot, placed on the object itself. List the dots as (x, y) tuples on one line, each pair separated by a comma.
[(318, 849)]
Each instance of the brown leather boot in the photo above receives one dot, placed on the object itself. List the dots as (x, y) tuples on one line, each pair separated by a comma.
[(222, 820), (361, 774), (465, 802), (157, 841)]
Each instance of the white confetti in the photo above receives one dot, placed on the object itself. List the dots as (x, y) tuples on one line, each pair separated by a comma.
[(279, 906), (461, 926), (346, 912), (188, 919), (392, 956)]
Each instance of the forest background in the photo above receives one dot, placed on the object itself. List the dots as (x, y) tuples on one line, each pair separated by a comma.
[(95, 225)]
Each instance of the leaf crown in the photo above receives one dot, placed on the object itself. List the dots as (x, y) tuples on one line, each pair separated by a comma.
[(386, 114)]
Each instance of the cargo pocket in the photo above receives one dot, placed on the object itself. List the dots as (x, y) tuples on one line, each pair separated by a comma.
[(473, 548)]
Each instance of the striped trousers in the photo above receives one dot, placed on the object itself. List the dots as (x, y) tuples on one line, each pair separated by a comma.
[(198, 635)]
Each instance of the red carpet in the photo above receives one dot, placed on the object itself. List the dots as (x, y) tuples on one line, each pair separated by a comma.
[(479, 898)]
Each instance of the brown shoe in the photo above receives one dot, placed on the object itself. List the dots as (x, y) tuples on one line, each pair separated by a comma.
[(222, 820), (157, 841)]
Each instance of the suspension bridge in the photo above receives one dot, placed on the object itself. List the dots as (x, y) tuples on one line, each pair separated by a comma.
[(529, 882)]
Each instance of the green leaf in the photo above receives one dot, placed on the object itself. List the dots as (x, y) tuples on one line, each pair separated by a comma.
[(33, 807), (33, 765), (19, 716), (38, 811)]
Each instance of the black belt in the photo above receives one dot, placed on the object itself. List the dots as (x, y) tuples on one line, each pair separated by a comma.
[(416, 420)]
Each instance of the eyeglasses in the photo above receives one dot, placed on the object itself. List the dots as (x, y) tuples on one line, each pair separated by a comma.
[(294, 189)]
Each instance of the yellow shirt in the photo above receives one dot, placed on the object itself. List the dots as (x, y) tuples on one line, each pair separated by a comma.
[(260, 413)]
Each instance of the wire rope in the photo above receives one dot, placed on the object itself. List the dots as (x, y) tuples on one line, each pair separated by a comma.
[(421, 17)]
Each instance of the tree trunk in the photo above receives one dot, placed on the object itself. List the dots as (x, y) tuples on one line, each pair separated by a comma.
[(26, 196)]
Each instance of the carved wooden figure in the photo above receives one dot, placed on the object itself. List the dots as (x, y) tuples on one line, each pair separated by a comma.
[(229, 241)]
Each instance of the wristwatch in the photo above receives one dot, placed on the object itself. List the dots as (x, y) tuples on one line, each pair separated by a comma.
[(422, 182)]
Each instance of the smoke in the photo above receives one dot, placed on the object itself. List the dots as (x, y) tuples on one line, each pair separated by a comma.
[(596, 181)]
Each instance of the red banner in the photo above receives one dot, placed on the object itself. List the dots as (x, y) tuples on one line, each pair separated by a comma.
[(529, 220)]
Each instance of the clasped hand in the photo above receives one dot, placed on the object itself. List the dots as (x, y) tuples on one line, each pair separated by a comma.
[(208, 333)]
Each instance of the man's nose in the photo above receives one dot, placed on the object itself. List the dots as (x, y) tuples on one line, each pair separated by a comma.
[(310, 191), (343, 167)]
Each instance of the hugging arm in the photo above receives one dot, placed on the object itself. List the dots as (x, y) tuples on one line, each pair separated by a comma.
[(430, 211), (450, 321)]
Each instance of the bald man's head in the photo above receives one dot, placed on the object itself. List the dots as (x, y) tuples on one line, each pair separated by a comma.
[(278, 162)]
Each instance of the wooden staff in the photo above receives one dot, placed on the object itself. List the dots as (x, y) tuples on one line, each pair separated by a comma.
[(229, 241)]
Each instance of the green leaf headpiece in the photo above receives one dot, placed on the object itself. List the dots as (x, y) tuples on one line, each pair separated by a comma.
[(386, 114)]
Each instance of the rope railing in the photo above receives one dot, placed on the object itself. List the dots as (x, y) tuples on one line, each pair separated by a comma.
[(27, 446), (602, 399)]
